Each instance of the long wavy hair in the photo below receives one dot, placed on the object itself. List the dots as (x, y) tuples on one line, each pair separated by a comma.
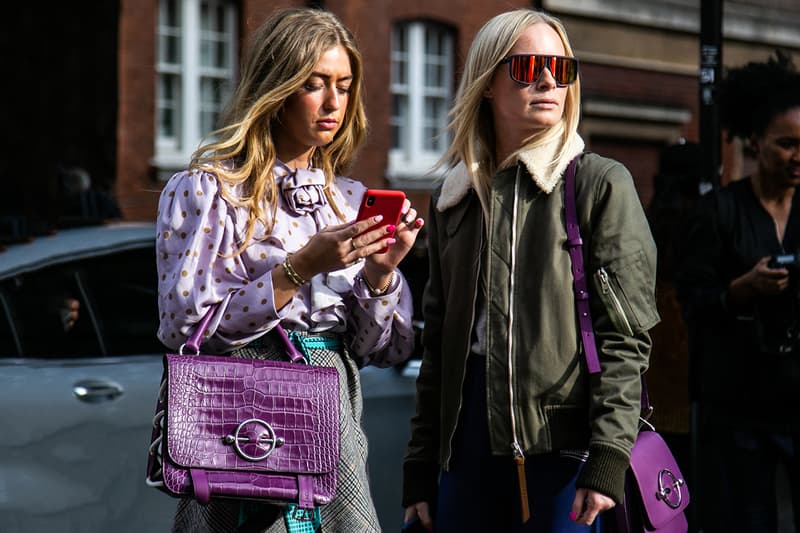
[(471, 121), (281, 58)]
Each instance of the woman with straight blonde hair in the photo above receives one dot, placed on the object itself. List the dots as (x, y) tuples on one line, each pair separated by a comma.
[(260, 230), (512, 431)]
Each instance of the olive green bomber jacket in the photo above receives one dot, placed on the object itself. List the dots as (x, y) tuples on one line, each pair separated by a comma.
[(557, 405)]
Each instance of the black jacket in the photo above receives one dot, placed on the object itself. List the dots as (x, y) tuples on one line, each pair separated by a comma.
[(745, 361)]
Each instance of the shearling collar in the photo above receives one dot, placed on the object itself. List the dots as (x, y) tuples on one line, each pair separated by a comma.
[(540, 162)]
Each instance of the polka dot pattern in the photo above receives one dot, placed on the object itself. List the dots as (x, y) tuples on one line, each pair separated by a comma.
[(198, 233)]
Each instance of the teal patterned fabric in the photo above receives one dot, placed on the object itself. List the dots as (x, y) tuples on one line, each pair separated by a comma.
[(302, 520)]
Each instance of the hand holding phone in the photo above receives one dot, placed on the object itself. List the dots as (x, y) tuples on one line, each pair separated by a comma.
[(385, 202)]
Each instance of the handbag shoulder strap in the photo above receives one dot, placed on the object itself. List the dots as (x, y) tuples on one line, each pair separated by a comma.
[(196, 338), (579, 283)]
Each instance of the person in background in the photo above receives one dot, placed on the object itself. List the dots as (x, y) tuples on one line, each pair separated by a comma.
[(743, 309), (83, 204), (512, 433), (262, 226)]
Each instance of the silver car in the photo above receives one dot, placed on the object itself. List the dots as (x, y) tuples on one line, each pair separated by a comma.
[(77, 402)]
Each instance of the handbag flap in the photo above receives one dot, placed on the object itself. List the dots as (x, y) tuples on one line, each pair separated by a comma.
[(660, 482), (251, 415)]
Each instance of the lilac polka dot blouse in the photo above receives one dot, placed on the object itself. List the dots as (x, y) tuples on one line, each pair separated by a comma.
[(198, 235)]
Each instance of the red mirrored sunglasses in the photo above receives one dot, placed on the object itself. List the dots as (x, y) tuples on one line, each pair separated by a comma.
[(527, 68)]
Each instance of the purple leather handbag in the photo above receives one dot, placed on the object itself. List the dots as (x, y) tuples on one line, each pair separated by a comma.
[(245, 428), (656, 494)]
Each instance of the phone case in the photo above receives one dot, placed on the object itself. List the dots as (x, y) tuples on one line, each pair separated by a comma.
[(386, 202)]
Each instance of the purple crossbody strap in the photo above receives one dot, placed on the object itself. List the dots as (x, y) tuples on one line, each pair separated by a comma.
[(291, 350), (579, 284), (196, 338)]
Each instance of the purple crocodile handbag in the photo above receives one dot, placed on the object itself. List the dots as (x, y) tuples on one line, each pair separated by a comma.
[(656, 494), (245, 428)]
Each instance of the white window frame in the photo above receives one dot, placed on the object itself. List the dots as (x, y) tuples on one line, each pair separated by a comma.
[(410, 165), (173, 153)]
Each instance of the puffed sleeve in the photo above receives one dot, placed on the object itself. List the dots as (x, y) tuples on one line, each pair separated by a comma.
[(198, 267), (380, 327)]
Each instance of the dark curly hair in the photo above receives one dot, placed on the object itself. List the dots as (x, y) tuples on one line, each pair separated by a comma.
[(752, 95)]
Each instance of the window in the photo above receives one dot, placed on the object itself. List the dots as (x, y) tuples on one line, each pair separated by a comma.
[(421, 81), (196, 66)]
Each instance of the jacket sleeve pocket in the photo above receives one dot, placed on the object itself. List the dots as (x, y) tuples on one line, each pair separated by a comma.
[(625, 286)]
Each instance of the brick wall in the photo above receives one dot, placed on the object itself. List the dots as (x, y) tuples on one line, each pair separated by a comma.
[(660, 70), (136, 189)]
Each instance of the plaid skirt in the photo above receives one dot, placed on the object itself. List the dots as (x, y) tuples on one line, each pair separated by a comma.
[(351, 511)]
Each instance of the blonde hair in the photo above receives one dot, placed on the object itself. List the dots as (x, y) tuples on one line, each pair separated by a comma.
[(281, 58), (471, 122)]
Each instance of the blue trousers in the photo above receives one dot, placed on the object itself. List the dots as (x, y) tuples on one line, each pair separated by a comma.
[(480, 492)]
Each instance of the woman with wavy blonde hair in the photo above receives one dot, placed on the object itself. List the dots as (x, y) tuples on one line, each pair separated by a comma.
[(512, 431), (260, 231), (281, 62)]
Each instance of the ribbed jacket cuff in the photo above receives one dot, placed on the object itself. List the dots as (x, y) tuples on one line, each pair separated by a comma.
[(420, 482), (604, 472)]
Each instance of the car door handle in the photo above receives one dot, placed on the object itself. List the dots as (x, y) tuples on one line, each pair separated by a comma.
[(96, 390)]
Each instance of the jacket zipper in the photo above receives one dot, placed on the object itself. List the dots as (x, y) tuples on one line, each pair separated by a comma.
[(519, 456), (469, 345), (605, 286)]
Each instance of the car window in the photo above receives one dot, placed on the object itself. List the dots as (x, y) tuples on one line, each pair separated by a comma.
[(116, 314), (123, 288), (34, 301)]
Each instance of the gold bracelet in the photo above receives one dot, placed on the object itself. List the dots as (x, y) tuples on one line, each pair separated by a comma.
[(292, 274), (377, 292)]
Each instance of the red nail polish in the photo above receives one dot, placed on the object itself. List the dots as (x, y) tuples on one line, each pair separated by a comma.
[(573, 516), (390, 228)]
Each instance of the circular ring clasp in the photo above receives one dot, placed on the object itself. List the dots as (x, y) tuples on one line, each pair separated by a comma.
[(268, 442), (672, 485)]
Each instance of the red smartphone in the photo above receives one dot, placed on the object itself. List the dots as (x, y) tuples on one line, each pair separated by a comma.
[(386, 202)]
